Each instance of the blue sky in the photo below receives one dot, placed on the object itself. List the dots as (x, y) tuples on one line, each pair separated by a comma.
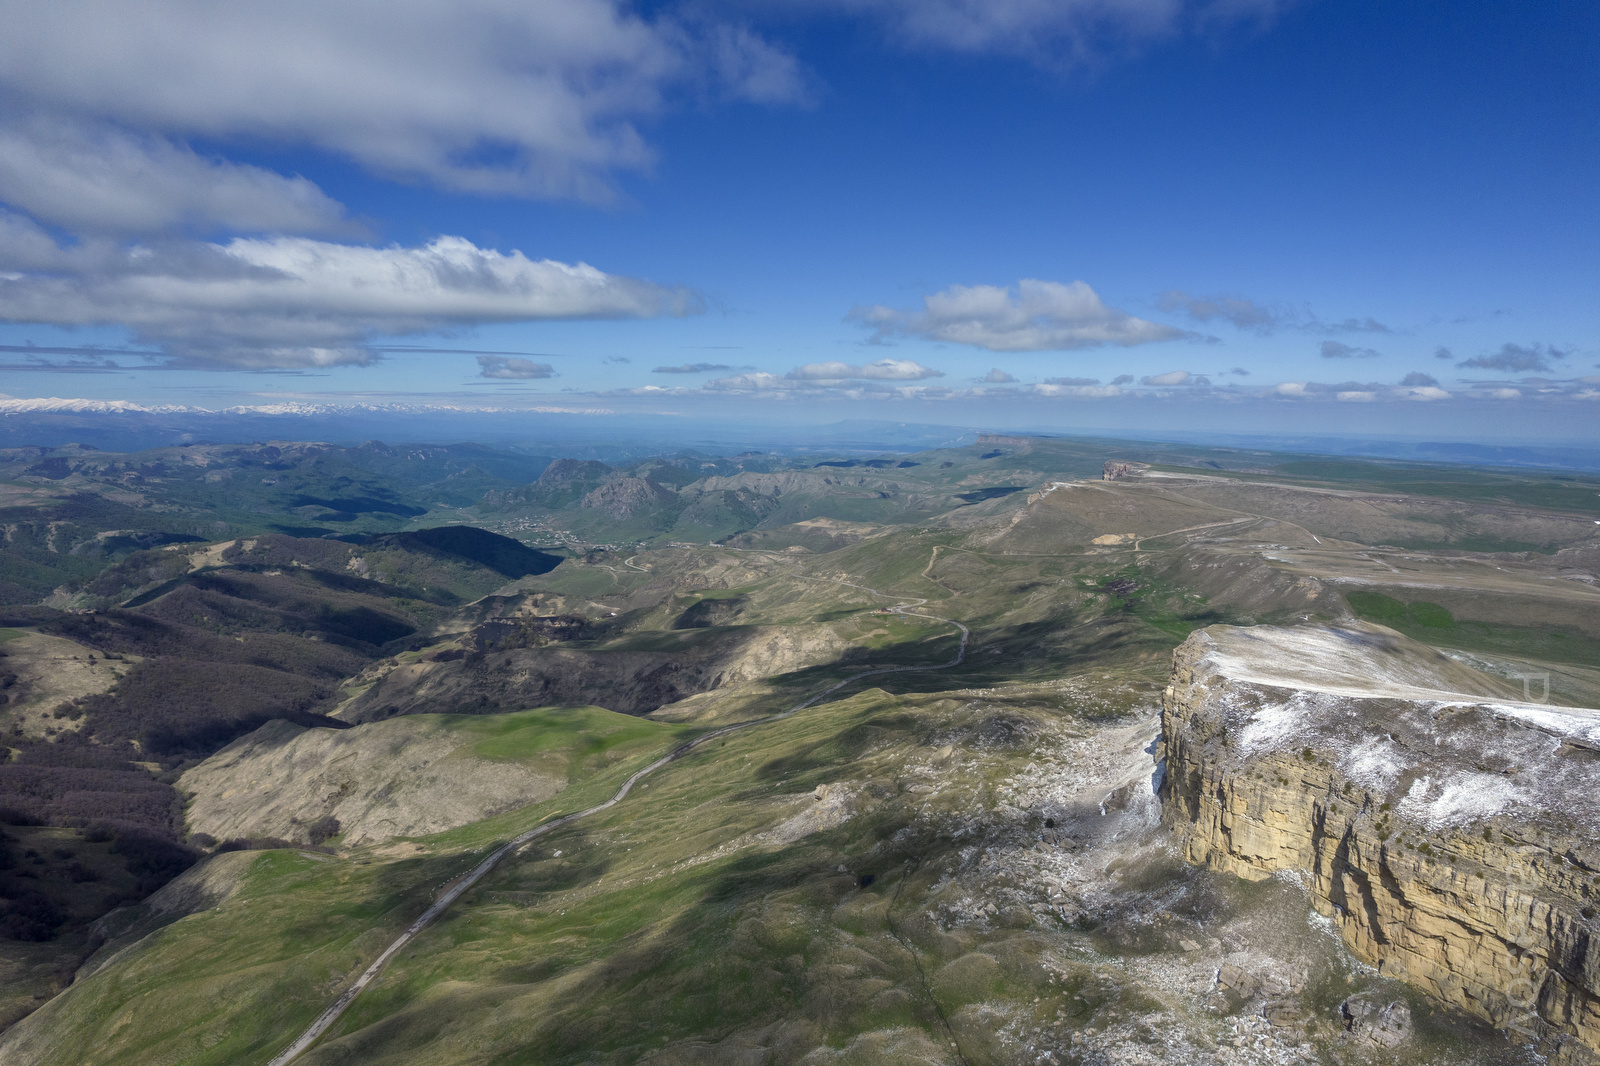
[(1236, 214)]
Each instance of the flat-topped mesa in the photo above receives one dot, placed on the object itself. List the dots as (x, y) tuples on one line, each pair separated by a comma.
[(1122, 469), (1449, 828)]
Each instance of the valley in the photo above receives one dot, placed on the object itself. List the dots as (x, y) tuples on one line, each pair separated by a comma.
[(910, 759)]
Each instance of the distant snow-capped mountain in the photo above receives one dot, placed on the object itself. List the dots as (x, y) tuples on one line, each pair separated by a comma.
[(48, 404)]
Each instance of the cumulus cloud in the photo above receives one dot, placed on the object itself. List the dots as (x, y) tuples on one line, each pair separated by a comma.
[(1336, 350), (298, 302), (1122, 379), (1261, 319), (691, 368), (1359, 392), (1417, 377), (1516, 358), (1239, 371), (1071, 381), (1325, 390), (882, 370), (1034, 316), (489, 96), (759, 381), (998, 377), (513, 368), (1442, 352), (1171, 377)]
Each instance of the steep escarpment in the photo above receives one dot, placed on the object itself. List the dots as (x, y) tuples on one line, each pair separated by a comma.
[(1450, 831)]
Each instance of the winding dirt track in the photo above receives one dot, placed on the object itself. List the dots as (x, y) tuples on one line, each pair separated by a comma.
[(442, 904)]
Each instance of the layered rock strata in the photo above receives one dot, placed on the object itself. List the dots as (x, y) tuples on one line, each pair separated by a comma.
[(1448, 827)]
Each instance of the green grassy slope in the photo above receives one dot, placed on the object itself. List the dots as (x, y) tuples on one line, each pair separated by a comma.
[(222, 985), (659, 921)]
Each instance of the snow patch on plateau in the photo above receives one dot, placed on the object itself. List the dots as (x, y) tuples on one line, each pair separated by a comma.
[(1274, 722), (1565, 721), (1375, 762), (1461, 798)]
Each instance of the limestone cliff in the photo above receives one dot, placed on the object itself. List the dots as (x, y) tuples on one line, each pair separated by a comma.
[(1449, 829)]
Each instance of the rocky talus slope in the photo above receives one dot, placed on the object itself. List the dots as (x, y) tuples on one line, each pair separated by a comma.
[(1448, 827)]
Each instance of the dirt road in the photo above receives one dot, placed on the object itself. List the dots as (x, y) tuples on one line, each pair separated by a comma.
[(442, 904)]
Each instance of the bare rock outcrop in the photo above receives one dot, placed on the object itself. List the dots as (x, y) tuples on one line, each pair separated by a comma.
[(628, 497), (1448, 829), (1122, 469), (1368, 1020)]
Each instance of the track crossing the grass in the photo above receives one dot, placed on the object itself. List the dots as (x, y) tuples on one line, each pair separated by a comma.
[(326, 1019)]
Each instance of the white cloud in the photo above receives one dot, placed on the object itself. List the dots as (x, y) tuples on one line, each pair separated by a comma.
[(24, 246), (1355, 391), (758, 381), (885, 379), (998, 377), (98, 180), (493, 96), (1171, 377), (1083, 391), (882, 370), (1407, 392), (1035, 316), (295, 302), (515, 368)]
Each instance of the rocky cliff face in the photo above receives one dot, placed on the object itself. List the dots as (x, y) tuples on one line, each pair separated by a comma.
[(1451, 833)]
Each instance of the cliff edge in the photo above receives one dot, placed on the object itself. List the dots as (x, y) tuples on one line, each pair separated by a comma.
[(1448, 827)]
